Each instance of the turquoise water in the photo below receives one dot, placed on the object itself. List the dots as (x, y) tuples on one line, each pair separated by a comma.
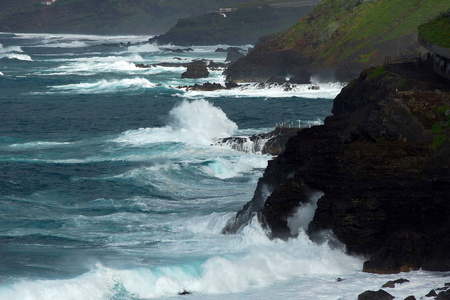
[(111, 186)]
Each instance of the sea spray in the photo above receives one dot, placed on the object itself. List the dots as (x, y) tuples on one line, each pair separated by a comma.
[(304, 215), (201, 121), (196, 122)]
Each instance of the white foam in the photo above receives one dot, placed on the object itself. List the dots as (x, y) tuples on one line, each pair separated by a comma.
[(105, 86), (144, 48), (304, 215), (13, 52), (39, 145), (251, 90), (259, 263), (1, 74), (196, 122), (225, 168), (70, 44)]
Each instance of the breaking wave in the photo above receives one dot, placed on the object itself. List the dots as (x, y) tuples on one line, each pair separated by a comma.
[(196, 122), (13, 52), (260, 263), (106, 86)]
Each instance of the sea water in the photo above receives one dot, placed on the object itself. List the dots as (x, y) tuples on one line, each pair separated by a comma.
[(111, 186)]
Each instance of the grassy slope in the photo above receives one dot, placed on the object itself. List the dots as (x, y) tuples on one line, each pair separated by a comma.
[(437, 31), (340, 29)]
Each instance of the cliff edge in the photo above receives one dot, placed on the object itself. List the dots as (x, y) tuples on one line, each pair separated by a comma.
[(338, 39), (382, 162)]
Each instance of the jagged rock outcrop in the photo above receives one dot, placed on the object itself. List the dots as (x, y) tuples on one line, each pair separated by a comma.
[(196, 69), (382, 161), (234, 54), (273, 143)]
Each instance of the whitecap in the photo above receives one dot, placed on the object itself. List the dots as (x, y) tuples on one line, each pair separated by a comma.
[(106, 86), (144, 48), (39, 145), (13, 52), (71, 44)]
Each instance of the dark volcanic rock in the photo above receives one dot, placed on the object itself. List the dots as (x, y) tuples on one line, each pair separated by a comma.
[(273, 143), (234, 54), (196, 69), (444, 295), (432, 293), (392, 283), (261, 65), (378, 295), (385, 188), (208, 86)]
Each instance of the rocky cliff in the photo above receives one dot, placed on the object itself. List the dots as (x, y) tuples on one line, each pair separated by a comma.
[(101, 16), (338, 39), (238, 27), (382, 162)]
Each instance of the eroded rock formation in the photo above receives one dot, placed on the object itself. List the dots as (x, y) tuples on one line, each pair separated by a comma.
[(382, 161)]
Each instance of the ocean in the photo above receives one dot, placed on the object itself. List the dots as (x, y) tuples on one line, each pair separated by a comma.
[(112, 186)]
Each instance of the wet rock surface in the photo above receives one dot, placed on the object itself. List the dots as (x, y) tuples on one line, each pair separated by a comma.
[(378, 295), (385, 180), (196, 69)]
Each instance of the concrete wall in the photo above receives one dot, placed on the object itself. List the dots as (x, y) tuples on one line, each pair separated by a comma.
[(441, 57)]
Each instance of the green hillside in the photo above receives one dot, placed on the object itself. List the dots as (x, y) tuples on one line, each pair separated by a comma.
[(343, 37), (358, 29), (437, 31)]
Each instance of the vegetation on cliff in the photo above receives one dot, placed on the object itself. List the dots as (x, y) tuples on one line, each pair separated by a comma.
[(345, 37), (437, 31)]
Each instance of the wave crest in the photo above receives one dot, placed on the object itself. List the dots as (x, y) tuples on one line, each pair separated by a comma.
[(196, 122)]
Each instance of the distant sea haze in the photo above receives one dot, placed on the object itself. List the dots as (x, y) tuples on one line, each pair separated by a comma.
[(112, 186)]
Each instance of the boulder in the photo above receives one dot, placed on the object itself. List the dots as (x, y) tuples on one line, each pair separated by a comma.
[(378, 295), (196, 69), (444, 295), (392, 283), (234, 54)]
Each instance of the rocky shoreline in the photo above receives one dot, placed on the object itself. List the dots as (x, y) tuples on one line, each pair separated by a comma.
[(383, 167)]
